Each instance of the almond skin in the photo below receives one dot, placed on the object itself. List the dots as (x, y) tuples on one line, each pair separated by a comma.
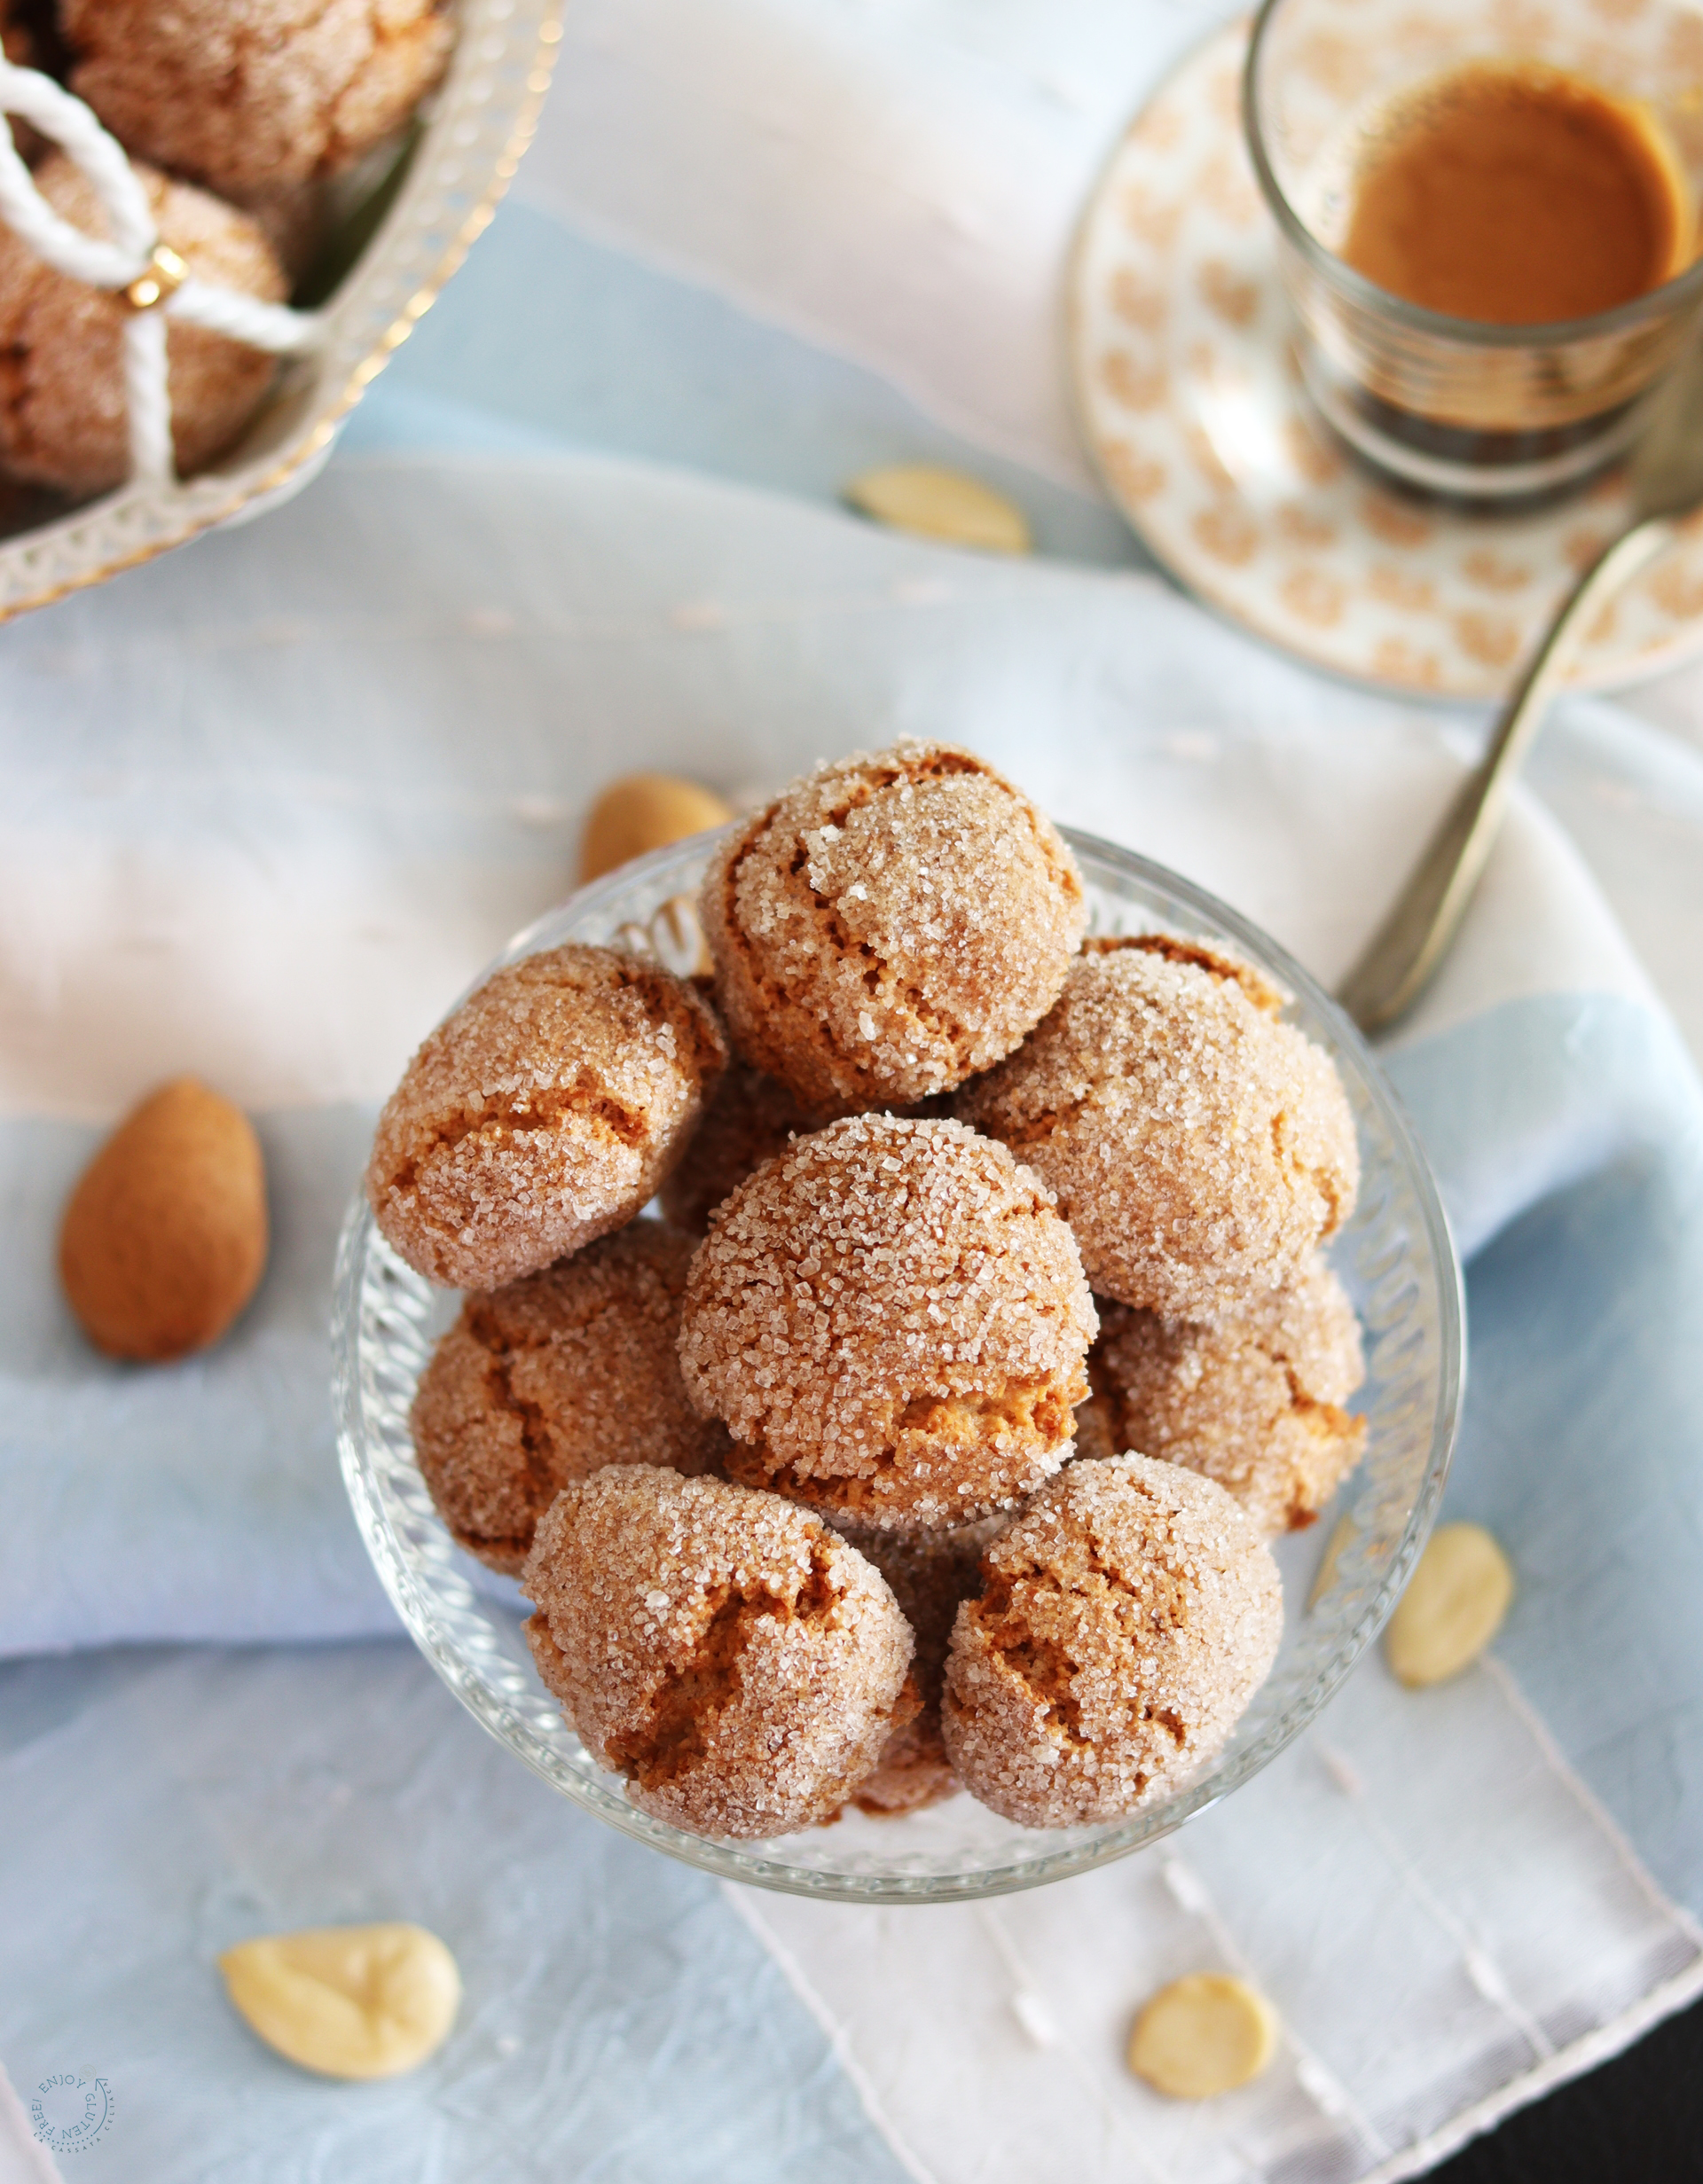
[(164, 1238), (642, 812)]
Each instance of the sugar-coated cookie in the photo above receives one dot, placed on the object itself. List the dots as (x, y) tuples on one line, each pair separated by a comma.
[(542, 1112), (1253, 1400), (891, 1320), (748, 1119), (726, 1653), (889, 925), (1200, 1147), (929, 1576), (550, 1378), (249, 96), (64, 422), (1124, 1621)]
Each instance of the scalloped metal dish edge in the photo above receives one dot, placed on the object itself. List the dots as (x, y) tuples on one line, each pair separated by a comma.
[(453, 1627)]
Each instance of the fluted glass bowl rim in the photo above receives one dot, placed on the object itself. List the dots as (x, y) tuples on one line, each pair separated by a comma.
[(442, 1612)]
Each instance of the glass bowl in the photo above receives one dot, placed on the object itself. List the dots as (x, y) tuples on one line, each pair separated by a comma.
[(1396, 1257)]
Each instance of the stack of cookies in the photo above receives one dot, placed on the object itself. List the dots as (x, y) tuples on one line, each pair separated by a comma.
[(237, 120), (934, 1435)]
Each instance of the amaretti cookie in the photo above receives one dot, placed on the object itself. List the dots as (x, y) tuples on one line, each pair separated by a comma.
[(747, 1120), (1200, 1147), (64, 421), (1253, 1400), (891, 1319), (552, 1377), (889, 926), (544, 1112), (929, 1576), (723, 1650), (248, 98), (1125, 1620)]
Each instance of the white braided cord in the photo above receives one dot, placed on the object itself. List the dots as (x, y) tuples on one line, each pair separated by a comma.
[(147, 393), (243, 318), (116, 264)]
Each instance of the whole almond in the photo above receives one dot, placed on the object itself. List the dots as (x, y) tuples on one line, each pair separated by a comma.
[(641, 812), (164, 1238)]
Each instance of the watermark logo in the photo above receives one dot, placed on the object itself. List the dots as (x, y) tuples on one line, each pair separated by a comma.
[(70, 2110)]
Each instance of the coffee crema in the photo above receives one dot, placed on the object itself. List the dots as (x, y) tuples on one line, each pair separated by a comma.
[(1517, 195)]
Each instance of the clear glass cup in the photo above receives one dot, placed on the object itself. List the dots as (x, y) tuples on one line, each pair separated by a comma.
[(1396, 1257), (1488, 414)]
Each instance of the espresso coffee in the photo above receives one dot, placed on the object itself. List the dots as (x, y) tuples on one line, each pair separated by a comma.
[(1517, 195)]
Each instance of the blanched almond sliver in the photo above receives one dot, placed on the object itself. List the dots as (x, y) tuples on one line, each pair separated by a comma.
[(1455, 1600), (941, 503), (1202, 2035), (349, 2001)]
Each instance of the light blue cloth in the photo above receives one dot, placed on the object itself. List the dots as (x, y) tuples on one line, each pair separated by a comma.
[(619, 2022), (622, 359), (203, 1500), (1582, 1444)]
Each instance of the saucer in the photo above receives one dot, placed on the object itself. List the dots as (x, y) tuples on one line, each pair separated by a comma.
[(1192, 406)]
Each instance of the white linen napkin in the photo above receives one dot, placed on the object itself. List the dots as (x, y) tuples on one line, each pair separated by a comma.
[(897, 180)]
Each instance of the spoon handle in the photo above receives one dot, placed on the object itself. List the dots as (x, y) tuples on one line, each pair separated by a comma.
[(1410, 944)]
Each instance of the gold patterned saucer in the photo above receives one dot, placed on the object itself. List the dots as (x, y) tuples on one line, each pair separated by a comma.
[(1191, 404)]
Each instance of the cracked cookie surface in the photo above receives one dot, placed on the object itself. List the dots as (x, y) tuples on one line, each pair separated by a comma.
[(542, 1113), (737, 1662), (550, 1378), (1199, 1147), (1253, 1400), (63, 411), (249, 96), (1125, 1620), (889, 925), (891, 1319)]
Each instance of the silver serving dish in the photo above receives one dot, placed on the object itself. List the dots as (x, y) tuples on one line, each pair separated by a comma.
[(459, 161)]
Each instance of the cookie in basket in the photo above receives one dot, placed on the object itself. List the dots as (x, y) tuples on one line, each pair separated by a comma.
[(251, 99), (63, 418)]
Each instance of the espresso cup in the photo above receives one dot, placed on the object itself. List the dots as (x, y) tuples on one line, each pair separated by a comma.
[(1483, 412)]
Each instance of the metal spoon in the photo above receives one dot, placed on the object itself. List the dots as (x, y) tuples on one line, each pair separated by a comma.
[(1411, 943)]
